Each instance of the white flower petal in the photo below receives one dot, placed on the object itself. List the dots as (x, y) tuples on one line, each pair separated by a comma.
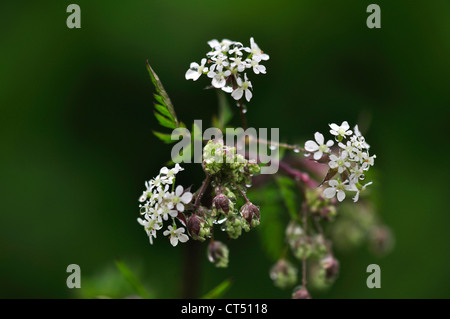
[(345, 126), (174, 240), (180, 207), (311, 146), (179, 190), (334, 127), (332, 164), (237, 94), (186, 198), (183, 238), (318, 155), (340, 195), (329, 192), (248, 95), (319, 138)]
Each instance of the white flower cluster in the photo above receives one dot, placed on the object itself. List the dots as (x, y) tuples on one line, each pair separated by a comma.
[(350, 163), (159, 204), (226, 61)]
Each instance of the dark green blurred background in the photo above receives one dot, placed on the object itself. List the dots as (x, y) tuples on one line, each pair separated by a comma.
[(76, 142)]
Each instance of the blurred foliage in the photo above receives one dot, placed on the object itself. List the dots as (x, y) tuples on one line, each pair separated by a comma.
[(76, 134)]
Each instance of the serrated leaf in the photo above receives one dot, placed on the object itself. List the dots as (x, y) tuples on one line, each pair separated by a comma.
[(286, 187), (219, 290), (163, 97), (166, 138), (161, 109), (132, 279), (164, 121)]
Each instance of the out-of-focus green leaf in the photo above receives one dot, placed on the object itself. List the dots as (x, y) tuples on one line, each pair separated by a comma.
[(132, 279), (219, 291), (271, 228), (286, 187)]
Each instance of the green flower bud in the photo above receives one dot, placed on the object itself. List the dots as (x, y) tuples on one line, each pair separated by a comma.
[(218, 254), (301, 293), (283, 274)]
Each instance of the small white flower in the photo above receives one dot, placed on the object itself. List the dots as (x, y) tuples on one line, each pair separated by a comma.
[(339, 162), (336, 187), (318, 147), (166, 210), (159, 195), (151, 225), (159, 180), (358, 139), (342, 130), (195, 70), (219, 78), (368, 161), (256, 52), (220, 61), (175, 235), (170, 173), (238, 64), (237, 49), (348, 148), (257, 68), (219, 47), (244, 86), (363, 188), (179, 199)]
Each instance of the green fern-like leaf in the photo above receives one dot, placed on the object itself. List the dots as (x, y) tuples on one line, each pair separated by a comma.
[(164, 110)]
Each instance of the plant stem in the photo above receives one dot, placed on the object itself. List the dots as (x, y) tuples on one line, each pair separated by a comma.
[(191, 269), (305, 225), (281, 145), (242, 112), (202, 191), (242, 193)]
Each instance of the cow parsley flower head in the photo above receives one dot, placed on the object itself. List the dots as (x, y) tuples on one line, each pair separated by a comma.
[(226, 62), (347, 163), (161, 201)]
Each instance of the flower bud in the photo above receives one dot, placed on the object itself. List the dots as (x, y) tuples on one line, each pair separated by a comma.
[(331, 267), (381, 240), (328, 212), (248, 211), (283, 274), (301, 293), (193, 225), (221, 203), (198, 228), (218, 254)]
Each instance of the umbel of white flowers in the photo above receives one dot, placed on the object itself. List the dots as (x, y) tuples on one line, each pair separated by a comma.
[(225, 64), (160, 203), (348, 164)]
